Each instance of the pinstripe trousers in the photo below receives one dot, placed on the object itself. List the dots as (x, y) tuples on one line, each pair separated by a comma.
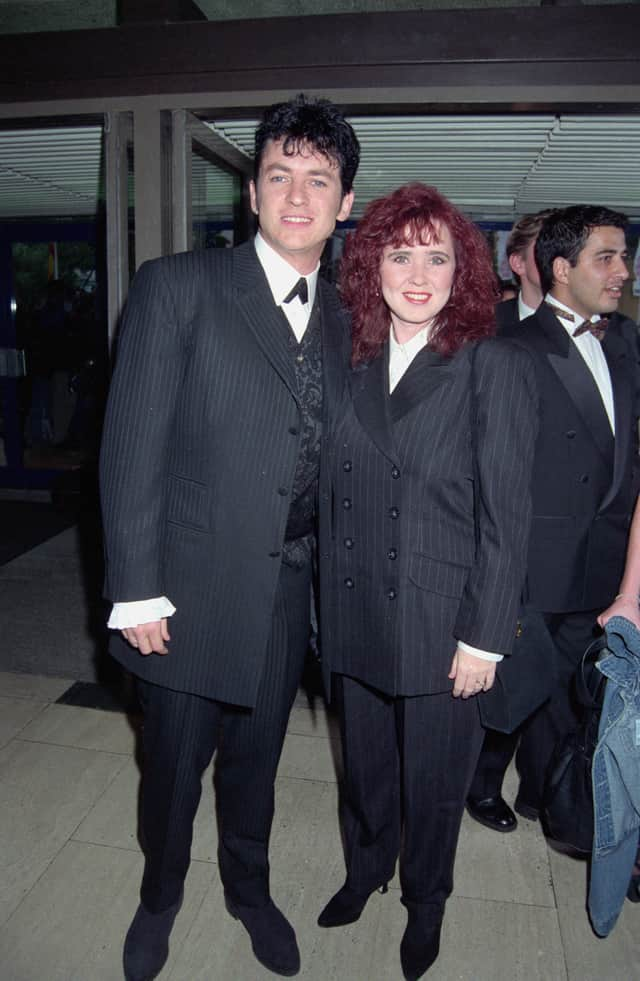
[(181, 733), (408, 765)]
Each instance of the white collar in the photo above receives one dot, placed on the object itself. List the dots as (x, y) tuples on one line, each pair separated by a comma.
[(524, 310), (410, 348), (281, 276)]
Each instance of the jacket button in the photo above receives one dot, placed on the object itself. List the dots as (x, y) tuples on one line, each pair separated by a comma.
[(348, 543), (349, 582), (392, 554), (395, 473), (570, 434), (274, 555), (394, 512), (282, 491), (584, 478), (391, 593), (347, 466), (346, 503), (294, 430)]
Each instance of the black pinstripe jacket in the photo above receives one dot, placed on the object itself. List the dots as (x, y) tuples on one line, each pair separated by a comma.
[(201, 440), (413, 559)]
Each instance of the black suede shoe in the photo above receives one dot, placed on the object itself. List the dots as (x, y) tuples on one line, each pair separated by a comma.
[(272, 936), (345, 907), (419, 948), (146, 946), (493, 812)]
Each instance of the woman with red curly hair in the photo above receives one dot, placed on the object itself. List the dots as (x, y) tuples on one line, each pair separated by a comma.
[(424, 556)]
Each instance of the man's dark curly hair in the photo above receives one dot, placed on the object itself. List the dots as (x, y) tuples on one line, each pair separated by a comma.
[(316, 123)]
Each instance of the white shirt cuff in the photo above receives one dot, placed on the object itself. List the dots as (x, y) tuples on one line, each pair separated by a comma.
[(483, 655), (143, 611)]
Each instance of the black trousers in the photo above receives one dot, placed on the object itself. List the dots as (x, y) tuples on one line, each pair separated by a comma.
[(408, 764), (181, 733), (537, 737)]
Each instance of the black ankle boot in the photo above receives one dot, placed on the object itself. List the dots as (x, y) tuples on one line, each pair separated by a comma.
[(345, 907), (146, 947), (420, 946)]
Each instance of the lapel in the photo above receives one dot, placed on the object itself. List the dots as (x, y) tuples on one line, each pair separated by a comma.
[(617, 354), (369, 392), (424, 375), (378, 411), (335, 343), (569, 366), (254, 305)]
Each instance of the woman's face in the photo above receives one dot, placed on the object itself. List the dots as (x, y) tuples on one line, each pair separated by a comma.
[(416, 282)]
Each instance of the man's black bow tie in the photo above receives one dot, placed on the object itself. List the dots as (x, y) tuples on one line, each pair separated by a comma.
[(300, 289)]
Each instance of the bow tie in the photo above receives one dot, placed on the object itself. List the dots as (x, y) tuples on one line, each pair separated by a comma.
[(598, 329), (300, 289)]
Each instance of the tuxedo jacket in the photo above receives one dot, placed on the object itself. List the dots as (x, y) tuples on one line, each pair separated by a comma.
[(202, 435), (429, 516), (584, 481)]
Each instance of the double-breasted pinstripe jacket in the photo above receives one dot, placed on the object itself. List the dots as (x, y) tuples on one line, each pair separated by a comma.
[(429, 509)]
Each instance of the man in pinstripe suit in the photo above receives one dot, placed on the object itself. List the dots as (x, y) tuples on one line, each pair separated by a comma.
[(227, 363)]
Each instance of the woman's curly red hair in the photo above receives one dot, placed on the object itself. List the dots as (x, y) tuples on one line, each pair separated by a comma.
[(411, 215)]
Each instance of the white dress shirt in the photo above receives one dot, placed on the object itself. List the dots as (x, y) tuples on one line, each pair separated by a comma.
[(524, 311), (400, 357), (281, 278), (591, 350)]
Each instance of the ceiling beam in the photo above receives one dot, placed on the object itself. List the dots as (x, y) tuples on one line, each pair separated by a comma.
[(496, 50)]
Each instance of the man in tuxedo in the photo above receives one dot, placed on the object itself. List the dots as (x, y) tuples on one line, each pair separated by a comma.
[(227, 363), (584, 480), (519, 249)]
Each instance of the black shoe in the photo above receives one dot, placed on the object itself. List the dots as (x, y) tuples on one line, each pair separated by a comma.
[(272, 936), (528, 811), (146, 947), (493, 812), (345, 907), (420, 947)]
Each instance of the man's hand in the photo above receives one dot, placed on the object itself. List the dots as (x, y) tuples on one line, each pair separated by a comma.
[(148, 638), (470, 674)]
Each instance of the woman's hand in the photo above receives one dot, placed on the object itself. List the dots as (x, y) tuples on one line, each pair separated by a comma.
[(470, 674), (624, 606)]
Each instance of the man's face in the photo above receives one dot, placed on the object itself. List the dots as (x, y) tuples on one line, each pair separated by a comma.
[(298, 200), (594, 284)]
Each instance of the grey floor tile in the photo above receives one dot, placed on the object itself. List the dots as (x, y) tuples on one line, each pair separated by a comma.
[(313, 721), (486, 941), (569, 878), (42, 689), (71, 926), (45, 791), (511, 867), (113, 819), (591, 958), (15, 715), (310, 758), (84, 728)]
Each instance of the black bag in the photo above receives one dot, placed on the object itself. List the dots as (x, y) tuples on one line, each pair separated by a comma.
[(567, 800)]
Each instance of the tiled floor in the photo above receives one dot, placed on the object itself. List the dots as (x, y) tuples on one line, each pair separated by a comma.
[(70, 867)]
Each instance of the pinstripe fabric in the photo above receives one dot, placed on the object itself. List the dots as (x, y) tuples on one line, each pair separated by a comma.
[(409, 756), (202, 435), (181, 733), (406, 577)]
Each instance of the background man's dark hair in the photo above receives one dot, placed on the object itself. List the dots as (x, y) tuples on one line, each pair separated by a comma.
[(565, 234), (523, 234), (317, 123)]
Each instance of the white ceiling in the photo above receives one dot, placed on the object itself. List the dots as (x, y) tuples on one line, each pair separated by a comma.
[(493, 167)]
